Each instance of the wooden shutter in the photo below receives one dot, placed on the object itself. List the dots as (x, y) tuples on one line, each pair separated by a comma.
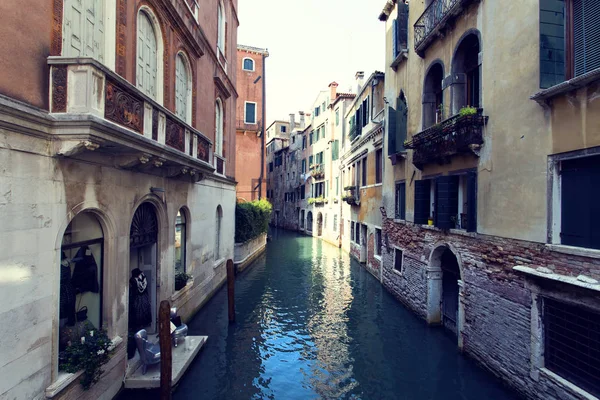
[(402, 37), (401, 122), (395, 38), (446, 204), (552, 42), (472, 202), (580, 209), (147, 67), (391, 131), (401, 200), (83, 29), (422, 201), (181, 88), (586, 35)]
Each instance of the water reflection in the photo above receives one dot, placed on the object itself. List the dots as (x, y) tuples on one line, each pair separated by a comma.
[(311, 324)]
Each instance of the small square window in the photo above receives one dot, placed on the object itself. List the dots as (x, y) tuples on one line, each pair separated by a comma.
[(398, 258)]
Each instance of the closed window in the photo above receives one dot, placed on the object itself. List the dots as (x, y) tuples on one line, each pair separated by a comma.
[(183, 89), (219, 128), (250, 113), (572, 343), (147, 58), (248, 64), (83, 29), (378, 165), (400, 201), (377, 241), (363, 181), (352, 235), (335, 221), (221, 28), (337, 117), (580, 209)]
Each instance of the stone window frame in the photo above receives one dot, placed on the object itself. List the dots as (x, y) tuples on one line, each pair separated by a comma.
[(554, 226), (244, 64), (395, 249), (564, 292), (377, 230)]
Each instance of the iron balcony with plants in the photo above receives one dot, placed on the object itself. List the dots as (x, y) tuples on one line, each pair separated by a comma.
[(462, 133), (434, 20)]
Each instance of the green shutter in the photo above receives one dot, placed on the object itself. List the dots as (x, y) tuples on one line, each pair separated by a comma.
[(401, 122), (552, 42), (446, 202), (402, 29), (586, 35), (391, 131)]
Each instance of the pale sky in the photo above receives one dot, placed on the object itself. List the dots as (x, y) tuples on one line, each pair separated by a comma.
[(311, 44)]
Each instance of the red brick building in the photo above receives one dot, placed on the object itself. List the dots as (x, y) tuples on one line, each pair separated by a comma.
[(250, 171)]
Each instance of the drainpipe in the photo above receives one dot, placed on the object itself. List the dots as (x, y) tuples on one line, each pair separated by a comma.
[(262, 137)]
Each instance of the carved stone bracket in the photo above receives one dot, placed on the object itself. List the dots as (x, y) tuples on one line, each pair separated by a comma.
[(71, 148), (158, 162), (134, 160)]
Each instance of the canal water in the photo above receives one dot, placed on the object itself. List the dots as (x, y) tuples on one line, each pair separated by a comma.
[(312, 324)]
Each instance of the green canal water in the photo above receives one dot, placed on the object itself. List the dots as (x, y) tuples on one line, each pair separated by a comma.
[(312, 324)]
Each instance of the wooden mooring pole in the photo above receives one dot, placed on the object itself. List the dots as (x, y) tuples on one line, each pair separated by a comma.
[(231, 290), (166, 360)]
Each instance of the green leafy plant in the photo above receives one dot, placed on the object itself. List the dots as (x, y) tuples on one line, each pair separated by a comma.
[(463, 112), (88, 354), (181, 279), (350, 188), (317, 200), (349, 199), (252, 219)]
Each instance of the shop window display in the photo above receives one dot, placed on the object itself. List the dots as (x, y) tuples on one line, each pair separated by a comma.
[(80, 278)]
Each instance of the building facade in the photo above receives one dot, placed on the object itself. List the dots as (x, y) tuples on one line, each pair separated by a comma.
[(118, 156), (491, 147), (249, 143)]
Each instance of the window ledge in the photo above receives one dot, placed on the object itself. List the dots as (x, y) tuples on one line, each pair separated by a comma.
[(399, 221), (377, 257), (542, 272), (64, 379), (565, 384), (566, 86), (218, 263), (395, 271), (575, 251), (462, 232), (403, 55), (185, 289), (431, 228)]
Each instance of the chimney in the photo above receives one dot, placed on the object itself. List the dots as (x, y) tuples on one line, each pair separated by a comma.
[(333, 91), (360, 80), (292, 122), (302, 120)]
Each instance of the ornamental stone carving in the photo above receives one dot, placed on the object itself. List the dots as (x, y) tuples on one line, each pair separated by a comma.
[(59, 89), (123, 108)]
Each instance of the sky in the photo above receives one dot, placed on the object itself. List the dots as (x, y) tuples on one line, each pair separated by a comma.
[(311, 44)]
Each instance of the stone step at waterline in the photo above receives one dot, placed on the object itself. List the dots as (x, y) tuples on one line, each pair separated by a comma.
[(182, 358)]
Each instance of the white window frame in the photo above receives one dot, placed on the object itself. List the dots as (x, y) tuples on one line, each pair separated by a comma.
[(188, 67), (219, 121), (253, 64), (160, 51), (221, 22), (255, 113), (402, 266)]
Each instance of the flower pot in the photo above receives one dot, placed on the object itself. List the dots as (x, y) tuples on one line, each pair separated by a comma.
[(430, 222)]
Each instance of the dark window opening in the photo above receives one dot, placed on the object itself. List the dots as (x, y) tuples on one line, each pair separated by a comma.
[(401, 200), (378, 165), (398, 260)]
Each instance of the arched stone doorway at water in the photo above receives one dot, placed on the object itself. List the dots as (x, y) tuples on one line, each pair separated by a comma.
[(319, 224), (309, 221), (143, 254), (444, 290)]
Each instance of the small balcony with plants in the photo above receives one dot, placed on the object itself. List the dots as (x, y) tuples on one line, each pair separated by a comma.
[(351, 196), (317, 172), (317, 201), (435, 20), (462, 133)]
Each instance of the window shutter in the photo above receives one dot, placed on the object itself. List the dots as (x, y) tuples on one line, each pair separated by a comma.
[(401, 200), (401, 122), (472, 202), (552, 42), (446, 204), (391, 131), (422, 201), (586, 35), (402, 26), (395, 38)]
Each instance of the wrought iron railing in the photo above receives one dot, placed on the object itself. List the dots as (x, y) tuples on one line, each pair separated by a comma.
[(454, 135), (433, 18)]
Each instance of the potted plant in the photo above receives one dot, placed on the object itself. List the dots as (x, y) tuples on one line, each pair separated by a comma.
[(181, 279), (89, 353)]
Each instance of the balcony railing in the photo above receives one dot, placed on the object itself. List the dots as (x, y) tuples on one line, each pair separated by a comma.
[(83, 89), (434, 19), (459, 134)]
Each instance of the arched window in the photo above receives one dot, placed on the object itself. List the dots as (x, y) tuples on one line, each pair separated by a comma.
[(248, 64), (219, 128), (433, 96), (219, 217), (221, 28), (180, 242), (147, 56), (183, 88), (80, 278)]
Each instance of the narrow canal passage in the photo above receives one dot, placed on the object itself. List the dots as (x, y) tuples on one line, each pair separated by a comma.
[(312, 324)]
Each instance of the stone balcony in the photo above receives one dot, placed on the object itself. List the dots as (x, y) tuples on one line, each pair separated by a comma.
[(99, 112), (458, 134), (436, 18)]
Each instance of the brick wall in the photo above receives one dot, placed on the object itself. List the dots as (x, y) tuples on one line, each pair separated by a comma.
[(497, 301)]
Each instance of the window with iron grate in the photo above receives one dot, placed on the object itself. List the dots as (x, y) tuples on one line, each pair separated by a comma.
[(572, 343)]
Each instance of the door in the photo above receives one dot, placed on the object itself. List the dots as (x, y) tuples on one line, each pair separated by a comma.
[(83, 29), (147, 263), (450, 291), (147, 69)]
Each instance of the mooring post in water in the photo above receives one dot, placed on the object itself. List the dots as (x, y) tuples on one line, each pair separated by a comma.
[(230, 290), (164, 338)]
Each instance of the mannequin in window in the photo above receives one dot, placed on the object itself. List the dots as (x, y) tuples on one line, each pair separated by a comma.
[(140, 312), (67, 292)]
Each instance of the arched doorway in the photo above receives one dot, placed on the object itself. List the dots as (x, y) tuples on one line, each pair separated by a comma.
[(319, 224), (143, 255), (433, 95), (444, 288), (466, 74), (309, 221)]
